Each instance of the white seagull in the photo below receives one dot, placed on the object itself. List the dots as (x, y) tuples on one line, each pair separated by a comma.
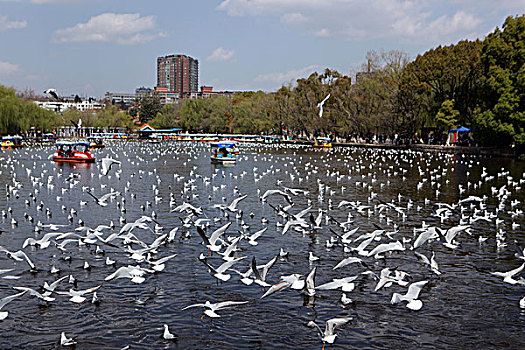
[(106, 165), (328, 336), (211, 308), (320, 105), (4, 301), (411, 296)]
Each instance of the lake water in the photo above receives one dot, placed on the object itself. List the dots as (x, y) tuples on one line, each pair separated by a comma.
[(464, 307)]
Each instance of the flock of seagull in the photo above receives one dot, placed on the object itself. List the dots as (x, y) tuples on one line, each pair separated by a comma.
[(129, 219)]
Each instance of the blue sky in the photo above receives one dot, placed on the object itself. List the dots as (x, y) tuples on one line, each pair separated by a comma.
[(88, 47)]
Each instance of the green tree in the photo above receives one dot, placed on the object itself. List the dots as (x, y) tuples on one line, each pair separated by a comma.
[(166, 118), (500, 118), (148, 106), (447, 117), (17, 115), (444, 73)]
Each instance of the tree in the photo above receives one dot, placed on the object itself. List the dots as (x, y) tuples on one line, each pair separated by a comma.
[(445, 73), (500, 118), (166, 118), (447, 116), (149, 105), (17, 116)]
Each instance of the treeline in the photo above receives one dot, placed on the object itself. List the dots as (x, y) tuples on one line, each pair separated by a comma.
[(477, 84), (17, 115)]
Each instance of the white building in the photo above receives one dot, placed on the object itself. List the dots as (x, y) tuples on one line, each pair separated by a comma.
[(60, 107)]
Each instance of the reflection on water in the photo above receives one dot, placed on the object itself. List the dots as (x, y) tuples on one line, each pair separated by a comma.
[(464, 307)]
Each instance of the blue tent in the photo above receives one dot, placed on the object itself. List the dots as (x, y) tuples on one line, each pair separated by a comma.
[(462, 129)]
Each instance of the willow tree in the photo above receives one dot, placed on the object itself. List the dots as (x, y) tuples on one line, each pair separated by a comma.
[(17, 116)]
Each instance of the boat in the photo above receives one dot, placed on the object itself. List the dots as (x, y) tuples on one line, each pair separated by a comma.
[(224, 152), (46, 138), (74, 152), (12, 142), (95, 142), (323, 142)]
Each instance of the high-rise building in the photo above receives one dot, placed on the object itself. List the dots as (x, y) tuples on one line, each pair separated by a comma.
[(178, 73)]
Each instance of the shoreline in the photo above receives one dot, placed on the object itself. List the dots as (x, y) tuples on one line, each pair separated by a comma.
[(487, 151)]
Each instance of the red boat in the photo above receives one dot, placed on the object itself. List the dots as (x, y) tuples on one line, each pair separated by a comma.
[(76, 152)]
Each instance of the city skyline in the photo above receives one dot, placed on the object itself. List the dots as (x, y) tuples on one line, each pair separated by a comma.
[(88, 47)]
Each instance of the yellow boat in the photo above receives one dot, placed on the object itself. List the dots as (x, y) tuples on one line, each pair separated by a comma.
[(12, 142), (323, 142)]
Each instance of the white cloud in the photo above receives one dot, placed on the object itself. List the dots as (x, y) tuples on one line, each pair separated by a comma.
[(411, 21), (292, 18), (5, 24), (284, 77), (221, 54), (122, 29), (7, 68)]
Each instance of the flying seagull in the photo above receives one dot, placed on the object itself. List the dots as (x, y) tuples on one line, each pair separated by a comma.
[(52, 92), (106, 165), (320, 105)]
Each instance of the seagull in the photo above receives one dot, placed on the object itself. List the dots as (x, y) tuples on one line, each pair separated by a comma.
[(310, 283), (425, 236), (507, 276), (233, 206), (219, 271), (4, 301), (52, 92), (279, 192), (44, 242), (65, 341), (386, 247), (293, 281), (253, 237), (430, 262), (77, 296), (35, 293), (328, 336), (103, 201), (18, 256), (187, 207), (450, 234), (386, 280), (320, 105), (344, 283), (211, 308), (158, 265), (211, 242), (135, 273), (260, 277), (347, 261), (106, 165), (411, 296), (167, 335)]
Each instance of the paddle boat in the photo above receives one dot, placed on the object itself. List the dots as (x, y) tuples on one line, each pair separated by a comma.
[(224, 152), (75, 152), (47, 138), (323, 142), (95, 142), (12, 142)]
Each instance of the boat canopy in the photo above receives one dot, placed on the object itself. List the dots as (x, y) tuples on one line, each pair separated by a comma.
[(460, 129), (5, 138), (327, 139), (224, 144), (70, 143)]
